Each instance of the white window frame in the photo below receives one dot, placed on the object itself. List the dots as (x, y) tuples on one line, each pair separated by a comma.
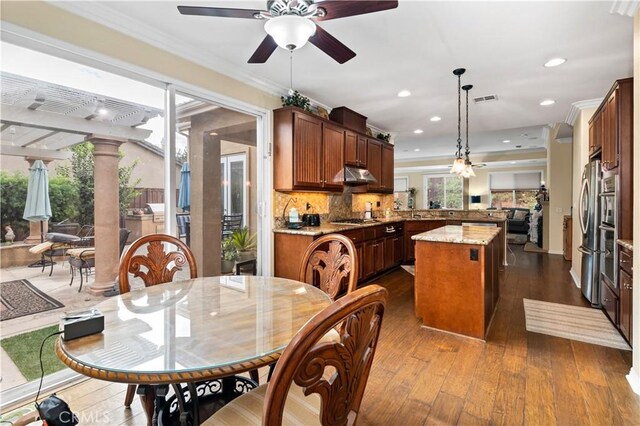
[(226, 159), (425, 200)]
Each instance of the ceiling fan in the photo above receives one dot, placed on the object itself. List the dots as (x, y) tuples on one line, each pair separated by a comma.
[(291, 23)]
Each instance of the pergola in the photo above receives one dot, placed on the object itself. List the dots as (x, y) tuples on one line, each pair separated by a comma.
[(40, 120)]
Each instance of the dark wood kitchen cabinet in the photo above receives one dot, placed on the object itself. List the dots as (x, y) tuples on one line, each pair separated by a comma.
[(374, 163), (355, 149), (625, 276), (308, 152), (386, 175), (333, 155)]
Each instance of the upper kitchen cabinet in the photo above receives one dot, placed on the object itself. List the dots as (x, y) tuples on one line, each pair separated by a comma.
[(374, 163), (333, 145), (611, 127), (355, 149), (386, 177), (308, 151)]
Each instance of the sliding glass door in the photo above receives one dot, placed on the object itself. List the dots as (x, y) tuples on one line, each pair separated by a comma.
[(233, 169)]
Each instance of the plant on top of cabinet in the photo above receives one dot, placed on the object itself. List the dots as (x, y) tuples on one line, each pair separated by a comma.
[(296, 99), (384, 137)]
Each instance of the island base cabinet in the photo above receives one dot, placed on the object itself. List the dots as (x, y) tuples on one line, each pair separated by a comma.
[(456, 286)]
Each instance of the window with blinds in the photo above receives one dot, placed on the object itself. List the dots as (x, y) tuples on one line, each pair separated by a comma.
[(514, 189)]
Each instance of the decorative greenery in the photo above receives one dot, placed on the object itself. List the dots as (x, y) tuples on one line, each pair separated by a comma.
[(229, 250), (24, 351), (243, 240), (13, 194), (64, 198), (297, 100), (384, 137), (80, 173)]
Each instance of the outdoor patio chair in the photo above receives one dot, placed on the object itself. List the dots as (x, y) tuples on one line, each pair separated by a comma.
[(182, 221), (61, 241), (83, 258), (230, 223)]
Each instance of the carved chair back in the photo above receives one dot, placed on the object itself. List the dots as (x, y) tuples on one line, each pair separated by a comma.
[(328, 269), (157, 266), (358, 316)]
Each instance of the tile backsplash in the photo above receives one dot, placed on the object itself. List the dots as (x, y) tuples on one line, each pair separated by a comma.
[(330, 206)]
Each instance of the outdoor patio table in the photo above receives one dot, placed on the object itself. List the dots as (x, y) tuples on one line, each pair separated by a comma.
[(195, 336)]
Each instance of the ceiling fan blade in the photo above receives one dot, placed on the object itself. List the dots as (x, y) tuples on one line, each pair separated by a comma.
[(331, 46), (342, 8), (221, 12), (264, 51)]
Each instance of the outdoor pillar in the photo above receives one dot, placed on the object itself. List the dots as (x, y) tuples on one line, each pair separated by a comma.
[(204, 159), (35, 237), (106, 211)]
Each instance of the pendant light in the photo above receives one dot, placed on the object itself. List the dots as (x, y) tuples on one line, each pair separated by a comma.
[(458, 164), (468, 169)]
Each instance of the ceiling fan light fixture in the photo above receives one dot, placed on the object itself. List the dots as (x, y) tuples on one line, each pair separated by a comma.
[(289, 31)]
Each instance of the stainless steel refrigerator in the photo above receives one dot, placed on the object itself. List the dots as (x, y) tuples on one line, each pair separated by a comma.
[(589, 224)]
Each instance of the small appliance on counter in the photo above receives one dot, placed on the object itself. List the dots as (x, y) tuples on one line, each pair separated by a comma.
[(367, 211), (311, 219), (294, 220)]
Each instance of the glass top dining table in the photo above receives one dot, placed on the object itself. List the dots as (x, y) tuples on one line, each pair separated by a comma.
[(194, 330)]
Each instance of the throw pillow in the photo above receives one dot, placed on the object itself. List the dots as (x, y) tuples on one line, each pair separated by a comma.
[(510, 214), (520, 214)]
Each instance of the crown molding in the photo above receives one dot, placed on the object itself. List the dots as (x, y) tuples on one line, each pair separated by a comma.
[(625, 7), (476, 157), (576, 107)]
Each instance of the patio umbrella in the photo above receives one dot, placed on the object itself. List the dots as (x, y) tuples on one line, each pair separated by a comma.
[(184, 199), (37, 207)]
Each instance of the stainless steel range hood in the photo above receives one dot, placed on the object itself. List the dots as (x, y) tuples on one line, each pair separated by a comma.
[(354, 176)]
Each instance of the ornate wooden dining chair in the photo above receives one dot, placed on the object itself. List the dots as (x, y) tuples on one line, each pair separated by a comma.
[(156, 266), (316, 382), (328, 269)]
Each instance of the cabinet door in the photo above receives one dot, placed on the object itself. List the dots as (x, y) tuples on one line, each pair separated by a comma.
[(307, 151), (362, 151), (368, 266), (374, 163), (388, 252), (386, 182), (592, 137), (612, 132), (598, 130), (351, 149), (378, 256), (626, 304), (398, 250), (360, 255), (333, 153)]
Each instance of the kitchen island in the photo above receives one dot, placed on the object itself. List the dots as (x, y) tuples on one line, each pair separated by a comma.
[(456, 281)]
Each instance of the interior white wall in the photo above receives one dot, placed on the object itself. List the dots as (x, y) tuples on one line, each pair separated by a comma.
[(580, 159)]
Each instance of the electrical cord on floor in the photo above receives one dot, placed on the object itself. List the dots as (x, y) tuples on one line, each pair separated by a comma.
[(41, 366), (512, 254)]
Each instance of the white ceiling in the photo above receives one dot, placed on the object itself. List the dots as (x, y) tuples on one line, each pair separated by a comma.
[(503, 45)]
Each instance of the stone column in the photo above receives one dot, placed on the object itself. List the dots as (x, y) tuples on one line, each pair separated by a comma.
[(35, 237), (106, 211), (204, 158)]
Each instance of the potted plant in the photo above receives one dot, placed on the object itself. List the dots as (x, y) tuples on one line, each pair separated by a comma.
[(229, 255), (296, 99), (244, 242)]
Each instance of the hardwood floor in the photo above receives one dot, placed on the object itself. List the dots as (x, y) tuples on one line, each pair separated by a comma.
[(422, 376)]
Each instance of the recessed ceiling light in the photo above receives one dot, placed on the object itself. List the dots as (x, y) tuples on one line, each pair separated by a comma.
[(102, 111), (555, 62), (404, 93), (513, 162), (547, 102), (213, 134), (435, 118), (418, 131), (506, 141), (417, 149)]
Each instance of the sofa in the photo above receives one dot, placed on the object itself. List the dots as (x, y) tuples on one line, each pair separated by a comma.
[(518, 222)]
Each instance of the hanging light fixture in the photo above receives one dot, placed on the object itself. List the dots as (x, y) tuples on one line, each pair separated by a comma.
[(290, 32), (468, 169), (458, 164)]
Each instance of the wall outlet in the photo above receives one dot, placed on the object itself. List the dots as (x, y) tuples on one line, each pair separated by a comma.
[(377, 203), (558, 209), (450, 213), (490, 214)]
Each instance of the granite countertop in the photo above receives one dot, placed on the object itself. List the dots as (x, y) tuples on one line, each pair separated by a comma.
[(328, 228), (628, 244), (460, 235)]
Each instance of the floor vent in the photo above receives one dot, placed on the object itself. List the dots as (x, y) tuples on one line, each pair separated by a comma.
[(488, 98)]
